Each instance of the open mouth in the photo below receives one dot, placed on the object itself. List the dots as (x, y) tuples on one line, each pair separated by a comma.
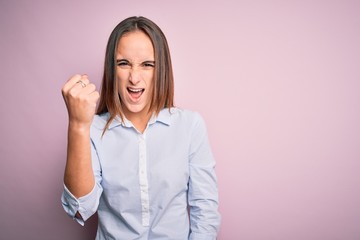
[(135, 93)]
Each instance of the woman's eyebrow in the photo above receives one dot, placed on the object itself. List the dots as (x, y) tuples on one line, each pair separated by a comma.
[(122, 60), (149, 61), (125, 60)]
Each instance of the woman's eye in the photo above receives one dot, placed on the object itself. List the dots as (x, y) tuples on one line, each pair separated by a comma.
[(122, 63), (149, 65)]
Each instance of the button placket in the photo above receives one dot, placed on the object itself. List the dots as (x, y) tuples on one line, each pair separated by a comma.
[(144, 185)]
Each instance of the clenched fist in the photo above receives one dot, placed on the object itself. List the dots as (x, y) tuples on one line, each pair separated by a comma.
[(80, 98)]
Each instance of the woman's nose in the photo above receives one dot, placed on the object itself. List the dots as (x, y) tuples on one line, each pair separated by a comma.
[(134, 76)]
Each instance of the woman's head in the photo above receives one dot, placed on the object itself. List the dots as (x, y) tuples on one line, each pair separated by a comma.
[(124, 69), (135, 72)]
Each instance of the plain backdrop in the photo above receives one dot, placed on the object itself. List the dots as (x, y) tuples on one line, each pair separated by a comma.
[(277, 82)]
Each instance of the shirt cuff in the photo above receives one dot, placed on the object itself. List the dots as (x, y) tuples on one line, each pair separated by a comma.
[(85, 205), (201, 236)]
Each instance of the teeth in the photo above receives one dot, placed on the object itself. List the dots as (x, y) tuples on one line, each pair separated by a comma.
[(135, 90)]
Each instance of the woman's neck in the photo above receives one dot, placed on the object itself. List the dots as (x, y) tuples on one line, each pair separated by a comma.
[(139, 120)]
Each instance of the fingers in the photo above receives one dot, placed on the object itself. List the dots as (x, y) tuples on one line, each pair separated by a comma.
[(70, 83), (94, 96), (89, 88), (81, 98), (77, 81), (78, 84), (84, 81)]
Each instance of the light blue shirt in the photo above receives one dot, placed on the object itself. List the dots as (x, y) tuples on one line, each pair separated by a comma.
[(157, 185)]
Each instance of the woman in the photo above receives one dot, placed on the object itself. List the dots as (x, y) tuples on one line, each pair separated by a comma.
[(145, 166)]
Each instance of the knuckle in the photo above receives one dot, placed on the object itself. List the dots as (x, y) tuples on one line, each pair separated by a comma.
[(76, 76), (71, 92), (90, 86), (83, 98), (73, 79)]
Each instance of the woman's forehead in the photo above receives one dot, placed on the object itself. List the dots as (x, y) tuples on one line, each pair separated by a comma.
[(135, 45)]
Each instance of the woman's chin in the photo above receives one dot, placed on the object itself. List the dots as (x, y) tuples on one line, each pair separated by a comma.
[(134, 110)]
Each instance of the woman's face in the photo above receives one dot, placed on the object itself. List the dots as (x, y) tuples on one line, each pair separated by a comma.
[(135, 73)]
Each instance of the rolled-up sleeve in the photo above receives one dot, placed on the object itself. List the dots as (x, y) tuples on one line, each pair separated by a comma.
[(86, 205), (203, 191)]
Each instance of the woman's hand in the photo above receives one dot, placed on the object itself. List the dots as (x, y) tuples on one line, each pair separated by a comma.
[(80, 98)]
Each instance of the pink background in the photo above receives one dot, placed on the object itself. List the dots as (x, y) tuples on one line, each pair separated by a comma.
[(278, 83)]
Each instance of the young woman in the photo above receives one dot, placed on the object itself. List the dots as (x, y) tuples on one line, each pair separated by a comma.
[(144, 165)]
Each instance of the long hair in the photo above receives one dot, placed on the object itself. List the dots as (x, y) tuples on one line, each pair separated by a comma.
[(163, 92)]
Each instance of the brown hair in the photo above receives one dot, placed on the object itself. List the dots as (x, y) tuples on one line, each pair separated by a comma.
[(163, 92)]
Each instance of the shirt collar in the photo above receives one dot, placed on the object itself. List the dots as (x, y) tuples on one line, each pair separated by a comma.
[(164, 117)]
